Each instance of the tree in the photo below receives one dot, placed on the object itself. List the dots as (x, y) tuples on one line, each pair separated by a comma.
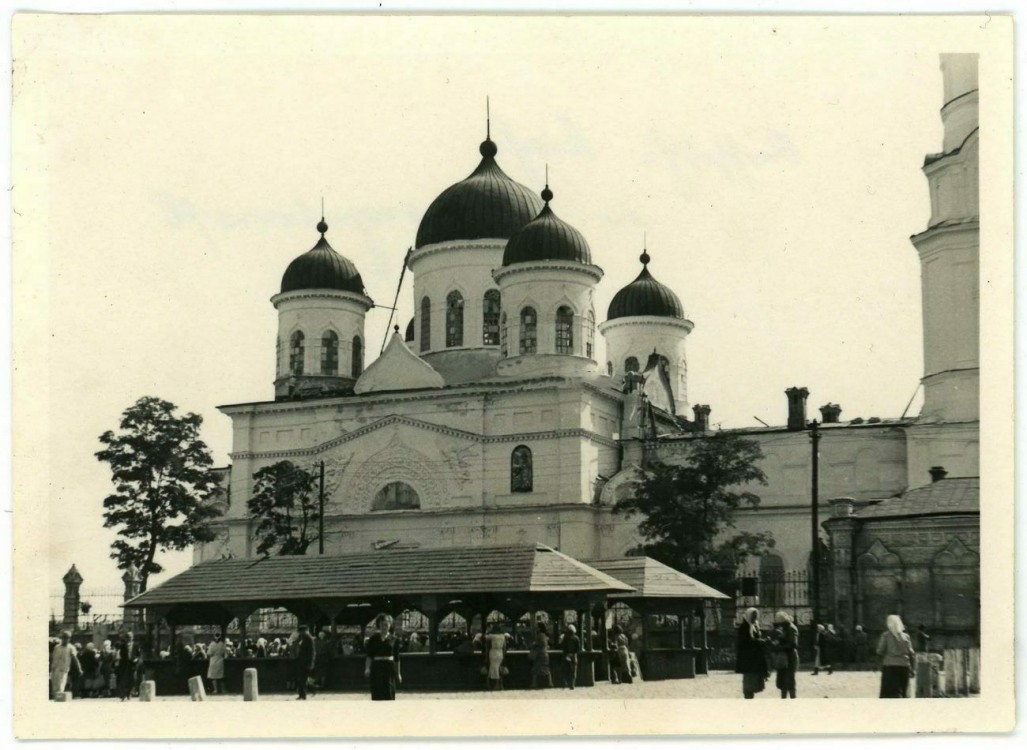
[(284, 505), (685, 509), (163, 481)]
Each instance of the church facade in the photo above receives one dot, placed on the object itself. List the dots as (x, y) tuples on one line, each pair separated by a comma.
[(493, 420)]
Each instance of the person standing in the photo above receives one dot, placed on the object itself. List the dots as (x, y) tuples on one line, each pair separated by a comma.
[(897, 659), (216, 653), (751, 661), (495, 656), (107, 657), (125, 666), (786, 654), (64, 661), (622, 654), (570, 645), (540, 659), (381, 667), (861, 644), (306, 657), (822, 649), (91, 680), (321, 654), (923, 640)]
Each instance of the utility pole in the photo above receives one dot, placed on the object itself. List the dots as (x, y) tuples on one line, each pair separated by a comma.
[(321, 512), (814, 436)]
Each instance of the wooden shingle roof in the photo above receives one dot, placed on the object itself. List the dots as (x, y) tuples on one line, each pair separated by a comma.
[(384, 573), (652, 579), (950, 496)]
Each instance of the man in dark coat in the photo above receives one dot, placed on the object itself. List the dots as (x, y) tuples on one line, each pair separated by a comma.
[(305, 654)]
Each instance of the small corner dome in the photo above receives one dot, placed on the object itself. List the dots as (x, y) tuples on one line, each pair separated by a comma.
[(322, 268), (485, 205), (645, 296), (547, 237)]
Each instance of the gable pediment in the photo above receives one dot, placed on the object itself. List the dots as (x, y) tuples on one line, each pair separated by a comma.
[(401, 421)]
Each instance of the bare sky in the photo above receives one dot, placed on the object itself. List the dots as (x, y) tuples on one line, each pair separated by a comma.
[(775, 170)]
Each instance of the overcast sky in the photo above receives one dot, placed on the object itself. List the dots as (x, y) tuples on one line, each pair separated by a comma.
[(775, 168)]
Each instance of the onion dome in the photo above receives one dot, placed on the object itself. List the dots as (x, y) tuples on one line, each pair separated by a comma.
[(645, 296), (322, 268), (547, 237), (486, 205)]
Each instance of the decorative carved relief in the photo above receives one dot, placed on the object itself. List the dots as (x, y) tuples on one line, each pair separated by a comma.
[(459, 460), (397, 462)]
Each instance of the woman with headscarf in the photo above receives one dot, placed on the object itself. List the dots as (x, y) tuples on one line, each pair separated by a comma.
[(751, 661), (381, 668), (91, 680), (897, 659), (622, 651), (786, 653), (540, 672), (822, 651)]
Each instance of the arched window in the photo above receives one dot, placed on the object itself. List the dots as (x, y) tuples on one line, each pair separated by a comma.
[(631, 365), (358, 356), (396, 496), (609, 369), (425, 324), (520, 469), (296, 353), (564, 330), (590, 332), (329, 353), (454, 319), (490, 318), (529, 331), (502, 336)]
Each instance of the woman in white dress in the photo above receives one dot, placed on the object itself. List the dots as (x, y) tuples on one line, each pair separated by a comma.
[(216, 665), (495, 655)]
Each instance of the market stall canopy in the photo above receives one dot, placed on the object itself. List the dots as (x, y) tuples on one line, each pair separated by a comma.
[(296, 582), (651, 579)]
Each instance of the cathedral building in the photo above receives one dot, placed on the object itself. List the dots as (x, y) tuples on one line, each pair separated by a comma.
[(494, 421)]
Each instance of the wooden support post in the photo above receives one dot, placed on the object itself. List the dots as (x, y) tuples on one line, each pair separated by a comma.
[(702, 663), (249, 684), (196, 690), (603, 673), (433, 631), (147, 690)]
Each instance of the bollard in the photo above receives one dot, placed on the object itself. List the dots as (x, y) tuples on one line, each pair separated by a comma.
[(147, 690), (196, 690), (975, 671), (249, 684), (63, 697)]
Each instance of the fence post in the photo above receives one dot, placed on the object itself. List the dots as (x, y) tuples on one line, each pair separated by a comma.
[(950, 671), (132, 581), (72, 583), (975, 671)]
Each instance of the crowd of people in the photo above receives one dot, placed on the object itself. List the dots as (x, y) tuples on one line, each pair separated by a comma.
[(759, 653), (114, 669)]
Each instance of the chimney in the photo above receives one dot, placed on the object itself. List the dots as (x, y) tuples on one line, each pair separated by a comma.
[(797, 408), (938, 472), (702, 417), (830, 413)]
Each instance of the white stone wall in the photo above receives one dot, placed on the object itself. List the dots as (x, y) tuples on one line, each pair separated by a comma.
[(546, 286), (953, 446), (638, 337), (464, 266), (314, 312)]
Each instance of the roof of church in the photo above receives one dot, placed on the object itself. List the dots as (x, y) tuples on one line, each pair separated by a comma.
[(546, 237), (651, 578), (391, 572), (956, 495), (397, 369), (485, 205), (322, 268), (645, 296)]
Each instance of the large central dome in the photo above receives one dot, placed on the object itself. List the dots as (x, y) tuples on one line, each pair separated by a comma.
[(486, 205)]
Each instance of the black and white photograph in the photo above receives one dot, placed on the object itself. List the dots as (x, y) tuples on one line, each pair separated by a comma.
[(524, 365)]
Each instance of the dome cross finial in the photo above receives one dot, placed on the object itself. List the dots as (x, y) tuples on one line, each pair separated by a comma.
[(644, 257), (322, 227), (488, 120)]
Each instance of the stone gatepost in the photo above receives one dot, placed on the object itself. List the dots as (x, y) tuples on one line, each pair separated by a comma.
[(132, 581), (72, 599)]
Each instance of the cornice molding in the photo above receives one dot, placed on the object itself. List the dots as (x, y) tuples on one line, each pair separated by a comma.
[(359, 299), (587, 269)]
